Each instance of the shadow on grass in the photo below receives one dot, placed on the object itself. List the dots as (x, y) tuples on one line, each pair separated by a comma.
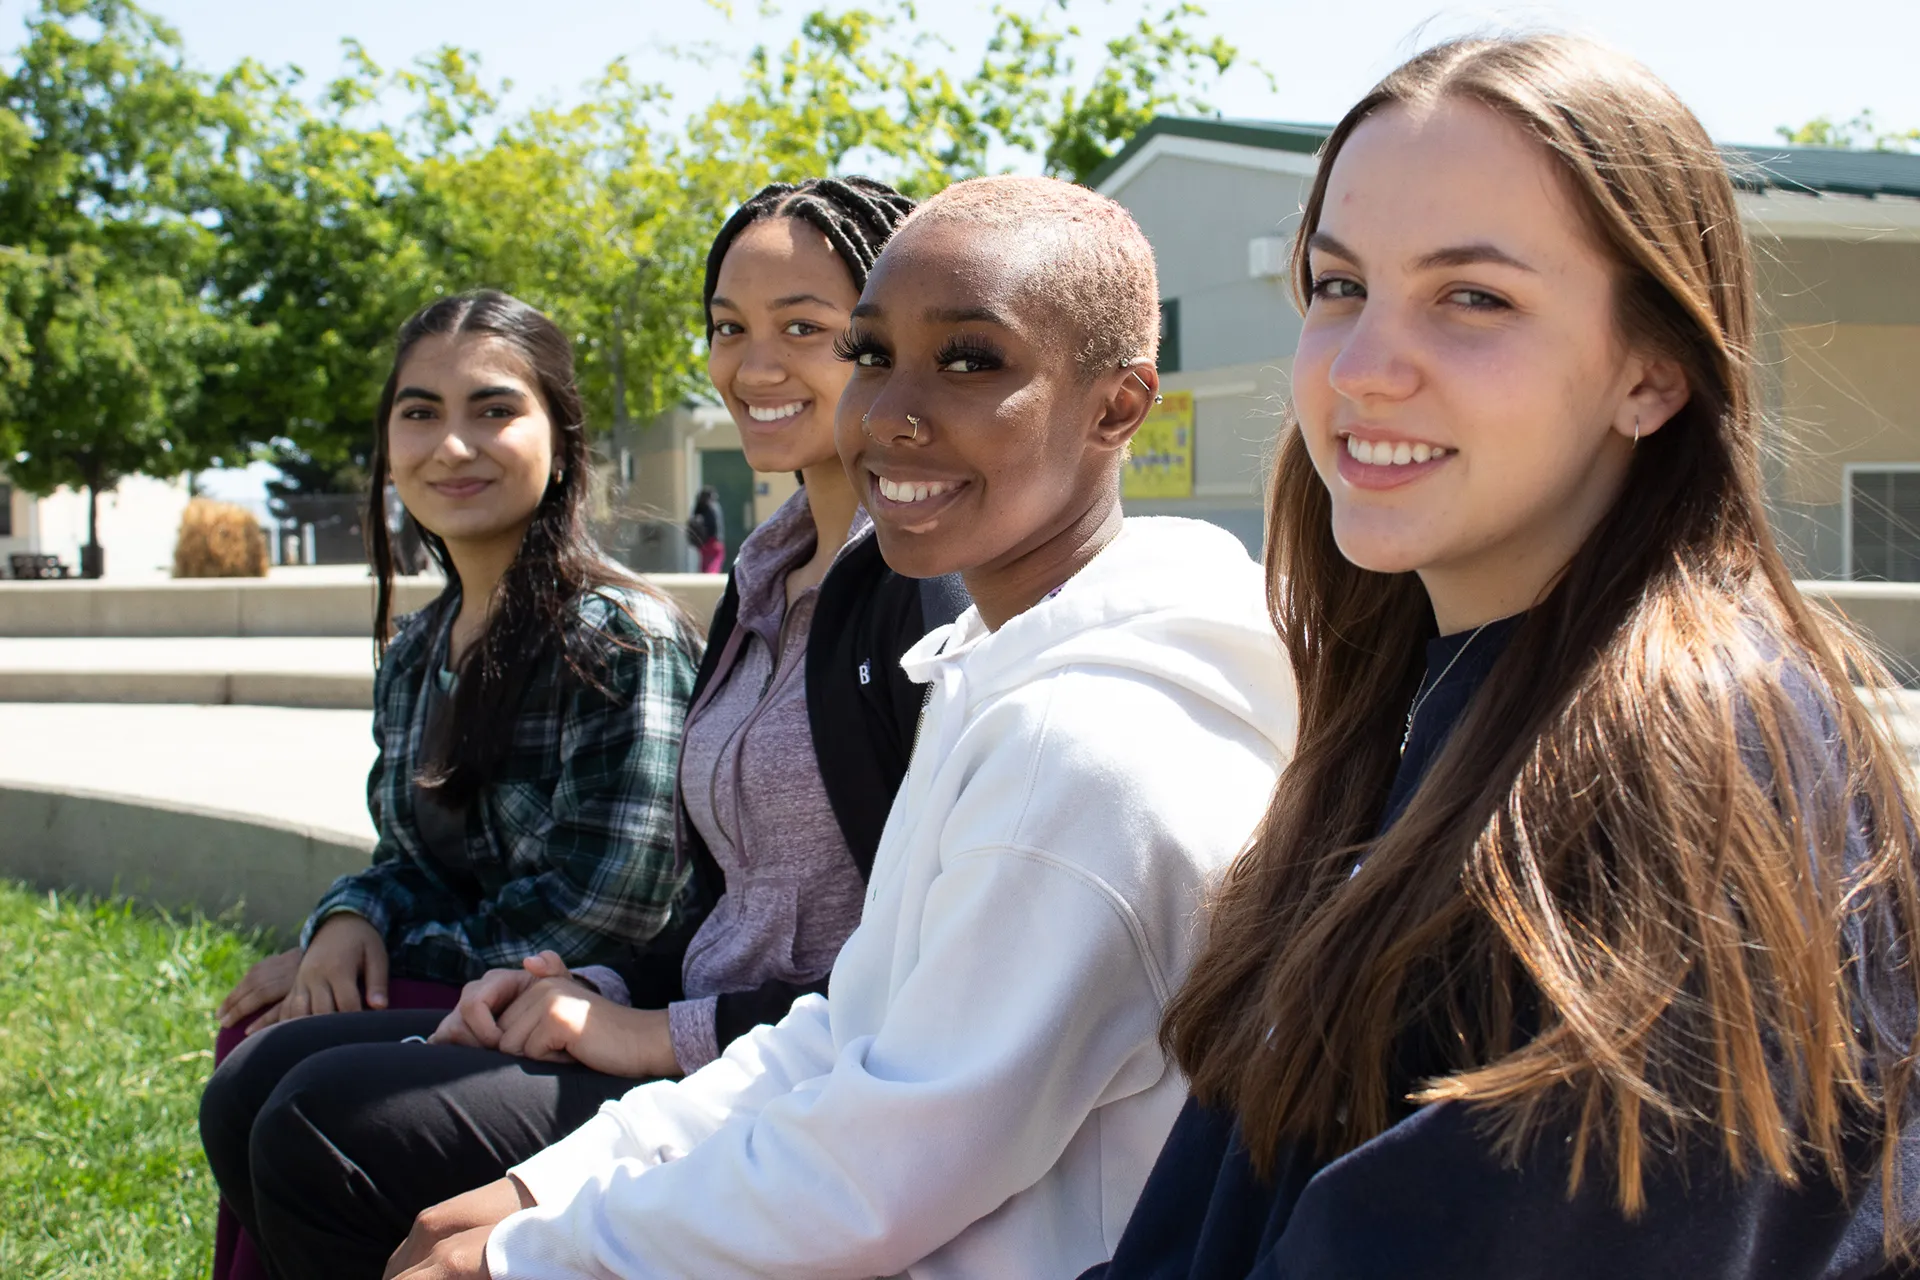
[(106, 1035)]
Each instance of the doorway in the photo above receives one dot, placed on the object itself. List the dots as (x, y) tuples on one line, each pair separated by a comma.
[(726, 472)]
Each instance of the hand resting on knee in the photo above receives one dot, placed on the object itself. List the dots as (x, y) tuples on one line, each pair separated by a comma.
[(450, 1239), (266, 985), (540, 1011)]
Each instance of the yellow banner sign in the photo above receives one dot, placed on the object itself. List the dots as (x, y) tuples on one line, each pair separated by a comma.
[(1162, 462)]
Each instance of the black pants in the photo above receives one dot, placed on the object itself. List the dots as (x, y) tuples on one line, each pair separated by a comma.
[(328, 1135)]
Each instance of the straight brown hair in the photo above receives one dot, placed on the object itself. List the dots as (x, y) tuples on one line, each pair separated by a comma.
[(558, 564), (1619, 900)]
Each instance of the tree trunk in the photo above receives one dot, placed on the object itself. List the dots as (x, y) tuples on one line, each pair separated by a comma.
[(93, 560)]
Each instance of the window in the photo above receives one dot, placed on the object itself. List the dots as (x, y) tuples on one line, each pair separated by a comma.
[(1170, 335), (6, 510), (1883, 523)]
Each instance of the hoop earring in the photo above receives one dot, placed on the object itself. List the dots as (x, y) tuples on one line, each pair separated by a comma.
[(1636, 429)]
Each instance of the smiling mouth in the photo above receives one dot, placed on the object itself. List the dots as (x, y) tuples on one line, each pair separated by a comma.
[(775, 413), (1394, 453), (459, 488), (907, 493)]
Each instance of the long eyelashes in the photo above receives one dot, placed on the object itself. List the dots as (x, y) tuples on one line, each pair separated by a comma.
[(851, 345), (969, 350)]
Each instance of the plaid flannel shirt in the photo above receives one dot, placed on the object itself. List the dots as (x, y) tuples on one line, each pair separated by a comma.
[(571, 844)]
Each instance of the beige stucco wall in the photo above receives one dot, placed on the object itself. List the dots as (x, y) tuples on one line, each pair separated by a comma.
[(1199, 216), (1849, 393)]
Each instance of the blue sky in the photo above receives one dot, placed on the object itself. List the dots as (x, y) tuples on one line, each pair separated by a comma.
[(1776, 62)]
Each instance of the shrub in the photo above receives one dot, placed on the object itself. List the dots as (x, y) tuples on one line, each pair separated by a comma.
[(219, 540)]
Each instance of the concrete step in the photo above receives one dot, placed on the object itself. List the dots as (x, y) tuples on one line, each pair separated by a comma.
[(314, 672), (328, 602), (218, 808)]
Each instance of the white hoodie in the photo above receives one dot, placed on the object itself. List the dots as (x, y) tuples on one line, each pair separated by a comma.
[(982, 1093)]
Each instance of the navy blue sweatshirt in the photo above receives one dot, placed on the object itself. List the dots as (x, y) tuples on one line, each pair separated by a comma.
[(1428, 1198)]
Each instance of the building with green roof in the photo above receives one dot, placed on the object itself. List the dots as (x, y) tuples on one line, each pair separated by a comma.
[(1838, 240)]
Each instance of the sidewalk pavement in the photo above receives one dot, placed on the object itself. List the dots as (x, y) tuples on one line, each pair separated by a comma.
[(300, 767)]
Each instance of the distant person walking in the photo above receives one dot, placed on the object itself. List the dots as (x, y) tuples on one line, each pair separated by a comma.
[(707, 531)]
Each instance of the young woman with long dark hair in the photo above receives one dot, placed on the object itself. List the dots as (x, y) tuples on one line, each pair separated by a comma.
[(1578, 938), (528, 721), (796, 739), (980, 1091)]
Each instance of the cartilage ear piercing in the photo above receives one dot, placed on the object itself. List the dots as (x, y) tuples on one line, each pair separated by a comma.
[(1157, 397)]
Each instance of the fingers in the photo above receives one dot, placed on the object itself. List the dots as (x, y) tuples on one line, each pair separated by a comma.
[(277, 1013), (524, 1018), (547, 964), (241, 1001), (412, 1251), (480, 999), (453, 1030), (344, 989), (267, 982), (375, 960), (518, 1021), (498, 988), (542, 1024)]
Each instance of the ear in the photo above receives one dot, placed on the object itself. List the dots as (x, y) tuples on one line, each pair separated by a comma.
[(1127, 396), (1659, 391)]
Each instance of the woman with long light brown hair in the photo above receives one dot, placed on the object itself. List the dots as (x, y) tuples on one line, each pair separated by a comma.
[(1577, 939)]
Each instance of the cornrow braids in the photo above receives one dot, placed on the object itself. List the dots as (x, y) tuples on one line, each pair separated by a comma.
[(857, 215)]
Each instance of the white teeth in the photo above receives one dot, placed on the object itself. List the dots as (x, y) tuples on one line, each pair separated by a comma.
[(893, 491), (1384, 453), (758, 414)]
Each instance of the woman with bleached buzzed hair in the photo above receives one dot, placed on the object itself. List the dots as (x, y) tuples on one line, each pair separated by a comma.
[(982, 1090)]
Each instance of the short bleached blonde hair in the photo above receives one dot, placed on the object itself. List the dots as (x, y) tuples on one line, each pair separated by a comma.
[(1085, 254)]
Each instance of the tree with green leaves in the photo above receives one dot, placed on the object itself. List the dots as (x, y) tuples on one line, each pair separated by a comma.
[(1862, 132), (103, 133), (320, 255), (194, 270)]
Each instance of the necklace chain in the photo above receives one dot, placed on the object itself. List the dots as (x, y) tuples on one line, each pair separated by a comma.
[(1421, 695)]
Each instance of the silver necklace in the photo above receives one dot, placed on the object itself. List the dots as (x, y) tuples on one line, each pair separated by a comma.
[(1420, 697)]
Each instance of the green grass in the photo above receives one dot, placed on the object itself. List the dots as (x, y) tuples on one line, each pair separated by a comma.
[(106, 1033)]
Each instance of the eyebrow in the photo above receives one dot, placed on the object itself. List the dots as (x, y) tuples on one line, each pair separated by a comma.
[(1479, 253), (966, 315), (943, 315), (484, 393), (779, 304), (1472, 255)]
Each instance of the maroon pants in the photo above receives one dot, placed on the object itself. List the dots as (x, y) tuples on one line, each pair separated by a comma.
[(234, 1257)]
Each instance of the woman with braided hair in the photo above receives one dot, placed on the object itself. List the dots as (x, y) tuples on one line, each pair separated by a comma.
[(981, 1092), (796, 739)]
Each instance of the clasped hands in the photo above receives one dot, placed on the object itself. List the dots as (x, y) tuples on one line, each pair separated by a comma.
[(538, 1011)]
